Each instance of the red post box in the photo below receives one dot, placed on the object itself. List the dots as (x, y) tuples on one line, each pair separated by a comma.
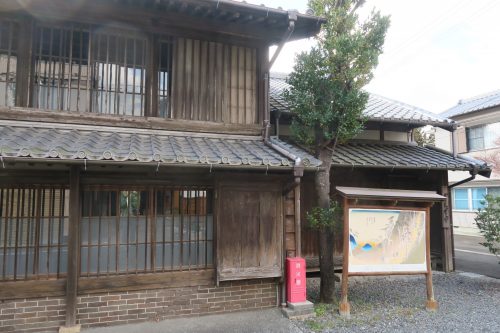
[(296, 280)]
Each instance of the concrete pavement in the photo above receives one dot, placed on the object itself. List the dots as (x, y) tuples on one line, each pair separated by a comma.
[(472, 257), (269, 321)]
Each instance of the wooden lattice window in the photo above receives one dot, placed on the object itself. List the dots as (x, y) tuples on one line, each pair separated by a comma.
[(141, 230), (85, 68), (33, 233), (8, 62)]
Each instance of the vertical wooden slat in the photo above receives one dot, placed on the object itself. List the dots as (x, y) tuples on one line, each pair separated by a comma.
[(204, 79), (253, 85), (262, 71), (197, 87), (70, 73), (234, 84), (226, 84), (73, 246), (219, 75)]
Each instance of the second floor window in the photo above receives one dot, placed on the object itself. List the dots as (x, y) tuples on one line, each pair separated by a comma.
[(90, 69), (483, 137), (8, 62)]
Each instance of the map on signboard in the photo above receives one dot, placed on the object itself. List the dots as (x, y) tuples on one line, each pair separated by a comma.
[(382, 240)]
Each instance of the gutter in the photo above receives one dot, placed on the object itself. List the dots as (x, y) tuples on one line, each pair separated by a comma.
[(473, 173), (454, 142)]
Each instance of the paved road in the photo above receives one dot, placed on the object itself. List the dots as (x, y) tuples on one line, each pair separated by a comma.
[(269, 321), (475, 258)]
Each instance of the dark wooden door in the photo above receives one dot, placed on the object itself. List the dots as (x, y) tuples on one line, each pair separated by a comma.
[(250, 229)]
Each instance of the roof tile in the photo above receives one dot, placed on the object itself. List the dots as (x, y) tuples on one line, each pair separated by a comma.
[(378, 108), (396, 155), (67, 142)]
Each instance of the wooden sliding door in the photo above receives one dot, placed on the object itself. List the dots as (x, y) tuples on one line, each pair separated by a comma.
[(250, 233)]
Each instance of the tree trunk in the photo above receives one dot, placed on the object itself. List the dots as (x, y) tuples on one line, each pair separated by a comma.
[(326, 239)]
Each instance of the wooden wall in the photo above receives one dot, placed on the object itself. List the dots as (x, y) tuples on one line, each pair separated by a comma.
[(214, 82), (249, 232), (289, 215)]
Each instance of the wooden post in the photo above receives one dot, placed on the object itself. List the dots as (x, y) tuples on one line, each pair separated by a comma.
[(298, 252), (24, 74), (73, 249), (431, 304), (447, 225), (344, 307)]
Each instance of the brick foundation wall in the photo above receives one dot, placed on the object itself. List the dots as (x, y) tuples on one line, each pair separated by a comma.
[(115, 308), (32, 315)]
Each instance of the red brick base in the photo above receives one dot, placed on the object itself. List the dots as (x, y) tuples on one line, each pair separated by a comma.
[(48, 314)]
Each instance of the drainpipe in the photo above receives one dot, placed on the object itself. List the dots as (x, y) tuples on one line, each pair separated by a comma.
[(292, 18), (298, 169), (473, 173), (454, 143)]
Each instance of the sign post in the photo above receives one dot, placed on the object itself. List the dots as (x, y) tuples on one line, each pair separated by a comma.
[(386, 239)]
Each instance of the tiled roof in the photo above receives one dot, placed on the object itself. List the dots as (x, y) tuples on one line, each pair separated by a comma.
[(74, 142), (401, 156), (378, 108), (476, 103)]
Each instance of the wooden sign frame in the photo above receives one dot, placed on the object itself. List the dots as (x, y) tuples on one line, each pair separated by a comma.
[(344, 307)]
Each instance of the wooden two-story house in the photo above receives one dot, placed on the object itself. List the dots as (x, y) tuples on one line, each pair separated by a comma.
[(136, 178)]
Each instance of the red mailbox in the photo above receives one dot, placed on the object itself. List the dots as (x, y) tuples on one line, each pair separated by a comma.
[(296, 280)]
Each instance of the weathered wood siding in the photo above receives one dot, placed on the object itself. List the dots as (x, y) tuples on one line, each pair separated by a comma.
[(249, 237), (289, 214), (214, 82)]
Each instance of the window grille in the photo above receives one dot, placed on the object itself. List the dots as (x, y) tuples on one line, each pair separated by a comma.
[(85, 68), (33, 233), (144, 230), (8, 62)]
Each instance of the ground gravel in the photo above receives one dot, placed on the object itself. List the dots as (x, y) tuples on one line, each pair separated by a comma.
[(467, 303)]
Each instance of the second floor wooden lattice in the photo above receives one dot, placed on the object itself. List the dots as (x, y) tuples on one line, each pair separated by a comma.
[(76, 67)]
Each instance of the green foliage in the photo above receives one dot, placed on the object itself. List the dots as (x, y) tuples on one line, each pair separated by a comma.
[(423, 138), (322, 309), (326, 96), (488, 222), (325, 218)]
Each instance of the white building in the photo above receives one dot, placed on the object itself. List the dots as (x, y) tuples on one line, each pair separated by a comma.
[(477, 136)]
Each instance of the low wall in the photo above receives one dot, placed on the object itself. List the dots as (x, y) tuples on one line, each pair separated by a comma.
[(115, 308)]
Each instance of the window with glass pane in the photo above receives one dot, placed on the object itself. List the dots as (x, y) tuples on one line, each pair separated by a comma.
[(494, 191), (8, 62), (461, 198), (145, 230), (184, 229), (478, 197), (120, 74), (85, 69), (62, 71), (492, 135), (33, 233), (475, 138)]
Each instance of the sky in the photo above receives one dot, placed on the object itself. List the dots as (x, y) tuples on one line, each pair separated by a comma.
[(436, 51)]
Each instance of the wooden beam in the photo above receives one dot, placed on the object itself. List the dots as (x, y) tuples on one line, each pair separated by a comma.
[(32, 289), (73, 247), (133, 282), (43, 116)]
